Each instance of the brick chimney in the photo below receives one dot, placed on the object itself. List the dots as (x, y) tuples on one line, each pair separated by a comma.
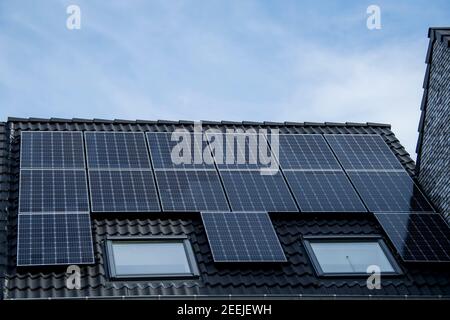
[(433, 145)]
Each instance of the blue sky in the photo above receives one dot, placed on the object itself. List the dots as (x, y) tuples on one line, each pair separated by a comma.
[(215, 60)]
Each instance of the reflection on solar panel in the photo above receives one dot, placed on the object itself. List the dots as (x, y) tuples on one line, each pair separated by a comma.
[(116, 150), (306, 152), (51, 150), (389, 192), (123, 191), (251, 191), (363, 152), (46, 239), (191, 191), (418, 237), (185, 151), (323, 191), (242, 237), (53, 191)]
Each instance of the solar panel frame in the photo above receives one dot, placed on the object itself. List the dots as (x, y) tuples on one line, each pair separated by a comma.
[(308, 196), (414, 242), (366, 186), (24, 155), (26, 239), (366, 161), (251, 237), (137, 161)]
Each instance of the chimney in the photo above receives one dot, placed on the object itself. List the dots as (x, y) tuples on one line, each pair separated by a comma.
[(433, 145)]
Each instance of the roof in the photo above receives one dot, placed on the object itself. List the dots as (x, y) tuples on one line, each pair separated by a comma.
[(441, 35), (295, 279)]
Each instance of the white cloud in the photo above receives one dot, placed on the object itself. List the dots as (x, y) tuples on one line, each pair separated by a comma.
[(378, 85)]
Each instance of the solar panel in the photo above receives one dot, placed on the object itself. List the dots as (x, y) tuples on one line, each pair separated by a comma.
[(51, 150), (389, 192), (363, 152), (323, 191), (47, 239), (306, 152), (179, 150), (116, 150), (242, 237), (251, 191), (418, 237), (241, 151), (123, 191), (53, 191), (191, 191)]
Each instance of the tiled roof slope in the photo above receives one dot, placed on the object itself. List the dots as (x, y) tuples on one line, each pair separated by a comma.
[(295, 278), (433, 146)]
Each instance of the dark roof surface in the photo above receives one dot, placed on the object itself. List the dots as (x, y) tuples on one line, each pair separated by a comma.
[(294, 278)]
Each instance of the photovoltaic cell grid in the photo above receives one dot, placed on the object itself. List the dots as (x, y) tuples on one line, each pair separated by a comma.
[(116, 150), (305, 152), (242, 237), (123, 191), (120, 174), (51, 150), (418, 237), (363, 152), (324, 191), (53, 191), (54, 224), (252, 191), (48, 239), (389, 192), (179, 150), (191, 191)]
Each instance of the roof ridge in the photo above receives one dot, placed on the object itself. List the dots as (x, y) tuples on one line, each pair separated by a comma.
[(184, 122)]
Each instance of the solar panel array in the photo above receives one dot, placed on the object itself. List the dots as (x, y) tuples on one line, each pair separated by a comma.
[(242, 237), (120, 174), (225, 177), (380, 179), (409, 220), (185, 182), (246, 174), (418, 237), (315, 176), (54, 226)]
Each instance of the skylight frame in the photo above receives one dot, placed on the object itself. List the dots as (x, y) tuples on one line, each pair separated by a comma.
[(307, 240), (184, 240)]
